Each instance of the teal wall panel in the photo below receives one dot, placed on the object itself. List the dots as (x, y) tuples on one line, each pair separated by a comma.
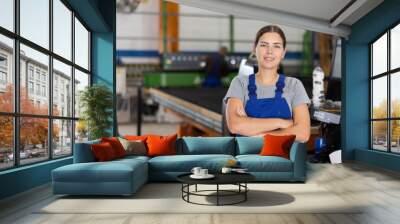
[(24, 178), (103, 55), (100, 17), (377, 158), (103, 66), (90, 12), (356, 101)]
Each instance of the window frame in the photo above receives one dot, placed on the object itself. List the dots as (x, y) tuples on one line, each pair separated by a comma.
[(16, 114), (388, 74)]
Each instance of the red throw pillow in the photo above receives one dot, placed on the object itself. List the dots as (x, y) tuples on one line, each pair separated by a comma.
[(103, 152), (277, 145), (161, 145), (116, 145)]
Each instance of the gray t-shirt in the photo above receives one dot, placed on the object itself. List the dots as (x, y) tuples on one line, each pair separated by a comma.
[(294, 91)]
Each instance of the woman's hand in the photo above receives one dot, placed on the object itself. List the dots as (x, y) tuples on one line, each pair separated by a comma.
[(300, 125), (239, 123), (286, 123)]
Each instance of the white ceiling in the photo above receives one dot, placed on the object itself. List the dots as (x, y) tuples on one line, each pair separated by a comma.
[(321, 9), (315, 15)]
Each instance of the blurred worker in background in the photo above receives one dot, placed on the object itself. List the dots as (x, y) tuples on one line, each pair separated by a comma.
[(216, 68)]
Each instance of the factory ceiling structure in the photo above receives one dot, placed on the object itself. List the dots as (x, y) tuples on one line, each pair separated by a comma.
[(325, 16)]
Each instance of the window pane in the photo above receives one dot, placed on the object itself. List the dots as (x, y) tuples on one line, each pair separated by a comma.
[(81, 81), (34, 78), (395, 94), (395, 136), (81, 45), (379, 135), (35, 21), (6, 142), (7, 14), (379, 55), (6, 74), (62, 29), (81, 131), (379, 97), (62, 138), (395, 47), (62, 89), (33, 139)]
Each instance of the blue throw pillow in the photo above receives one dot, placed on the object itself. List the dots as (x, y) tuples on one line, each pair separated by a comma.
[(208, 145), (83, 153), (249, 145)]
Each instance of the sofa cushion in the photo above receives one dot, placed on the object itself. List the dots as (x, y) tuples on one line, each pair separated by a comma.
[(257, 163), (136, 137), (132, 158), (103, 152), (83, 152), (134, 147), (112, 171), (116, 145), (249, 145), (207, 145), (277, 145), (185, 163), (161, 145)]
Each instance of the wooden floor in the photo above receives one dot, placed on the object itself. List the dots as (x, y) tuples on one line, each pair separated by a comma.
[(377, 188)]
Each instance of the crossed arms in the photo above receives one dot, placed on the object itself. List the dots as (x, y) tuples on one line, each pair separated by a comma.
[(239, 123)]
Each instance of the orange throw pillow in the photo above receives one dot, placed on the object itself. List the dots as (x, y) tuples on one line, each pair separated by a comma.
[(277, 145), (136, 137), (103, 152), (161, 145), (116, 145)]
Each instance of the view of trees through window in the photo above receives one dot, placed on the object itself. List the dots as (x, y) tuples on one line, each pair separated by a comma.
[(385, 96), (40, 83)]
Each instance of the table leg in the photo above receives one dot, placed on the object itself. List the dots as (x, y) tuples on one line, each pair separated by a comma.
[(196, 188), (245, 191), (188, 190), (182, 190), (217, 194)]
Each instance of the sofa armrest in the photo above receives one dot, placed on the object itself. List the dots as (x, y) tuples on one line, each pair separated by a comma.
[(298, 155), (83, 152)]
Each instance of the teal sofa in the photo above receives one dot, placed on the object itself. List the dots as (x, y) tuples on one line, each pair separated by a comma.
[(125, 176)]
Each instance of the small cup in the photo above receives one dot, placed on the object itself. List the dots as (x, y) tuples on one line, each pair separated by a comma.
[(226, 170), (196, 170), (203, 172)]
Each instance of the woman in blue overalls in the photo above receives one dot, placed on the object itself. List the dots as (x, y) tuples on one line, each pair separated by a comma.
[(271, 115)]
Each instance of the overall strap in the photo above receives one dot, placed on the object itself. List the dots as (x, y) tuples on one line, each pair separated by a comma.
[(251, 87), (279, 86)]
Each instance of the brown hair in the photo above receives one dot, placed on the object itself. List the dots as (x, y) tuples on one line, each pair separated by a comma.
[(270, 29)]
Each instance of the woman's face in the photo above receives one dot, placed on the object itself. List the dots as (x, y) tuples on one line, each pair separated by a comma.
[(269, 51)]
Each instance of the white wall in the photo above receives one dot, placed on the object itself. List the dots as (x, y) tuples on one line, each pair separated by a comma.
[(216, 26), (205, 32), (135, 25), (137, 31), (206, 26)]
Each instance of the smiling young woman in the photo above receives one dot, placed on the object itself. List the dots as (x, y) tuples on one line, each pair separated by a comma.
[(268, 102)]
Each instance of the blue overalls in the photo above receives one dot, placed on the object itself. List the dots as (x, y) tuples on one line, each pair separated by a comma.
[(275, 107)]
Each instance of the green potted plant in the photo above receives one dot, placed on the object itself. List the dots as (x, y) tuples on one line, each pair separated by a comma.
[(96, 104)]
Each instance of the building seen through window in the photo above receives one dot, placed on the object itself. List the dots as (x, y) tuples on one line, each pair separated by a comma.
[(385, 97), (35, 143)]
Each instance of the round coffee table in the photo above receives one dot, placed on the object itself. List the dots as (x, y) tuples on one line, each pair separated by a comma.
[(238, 179)]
